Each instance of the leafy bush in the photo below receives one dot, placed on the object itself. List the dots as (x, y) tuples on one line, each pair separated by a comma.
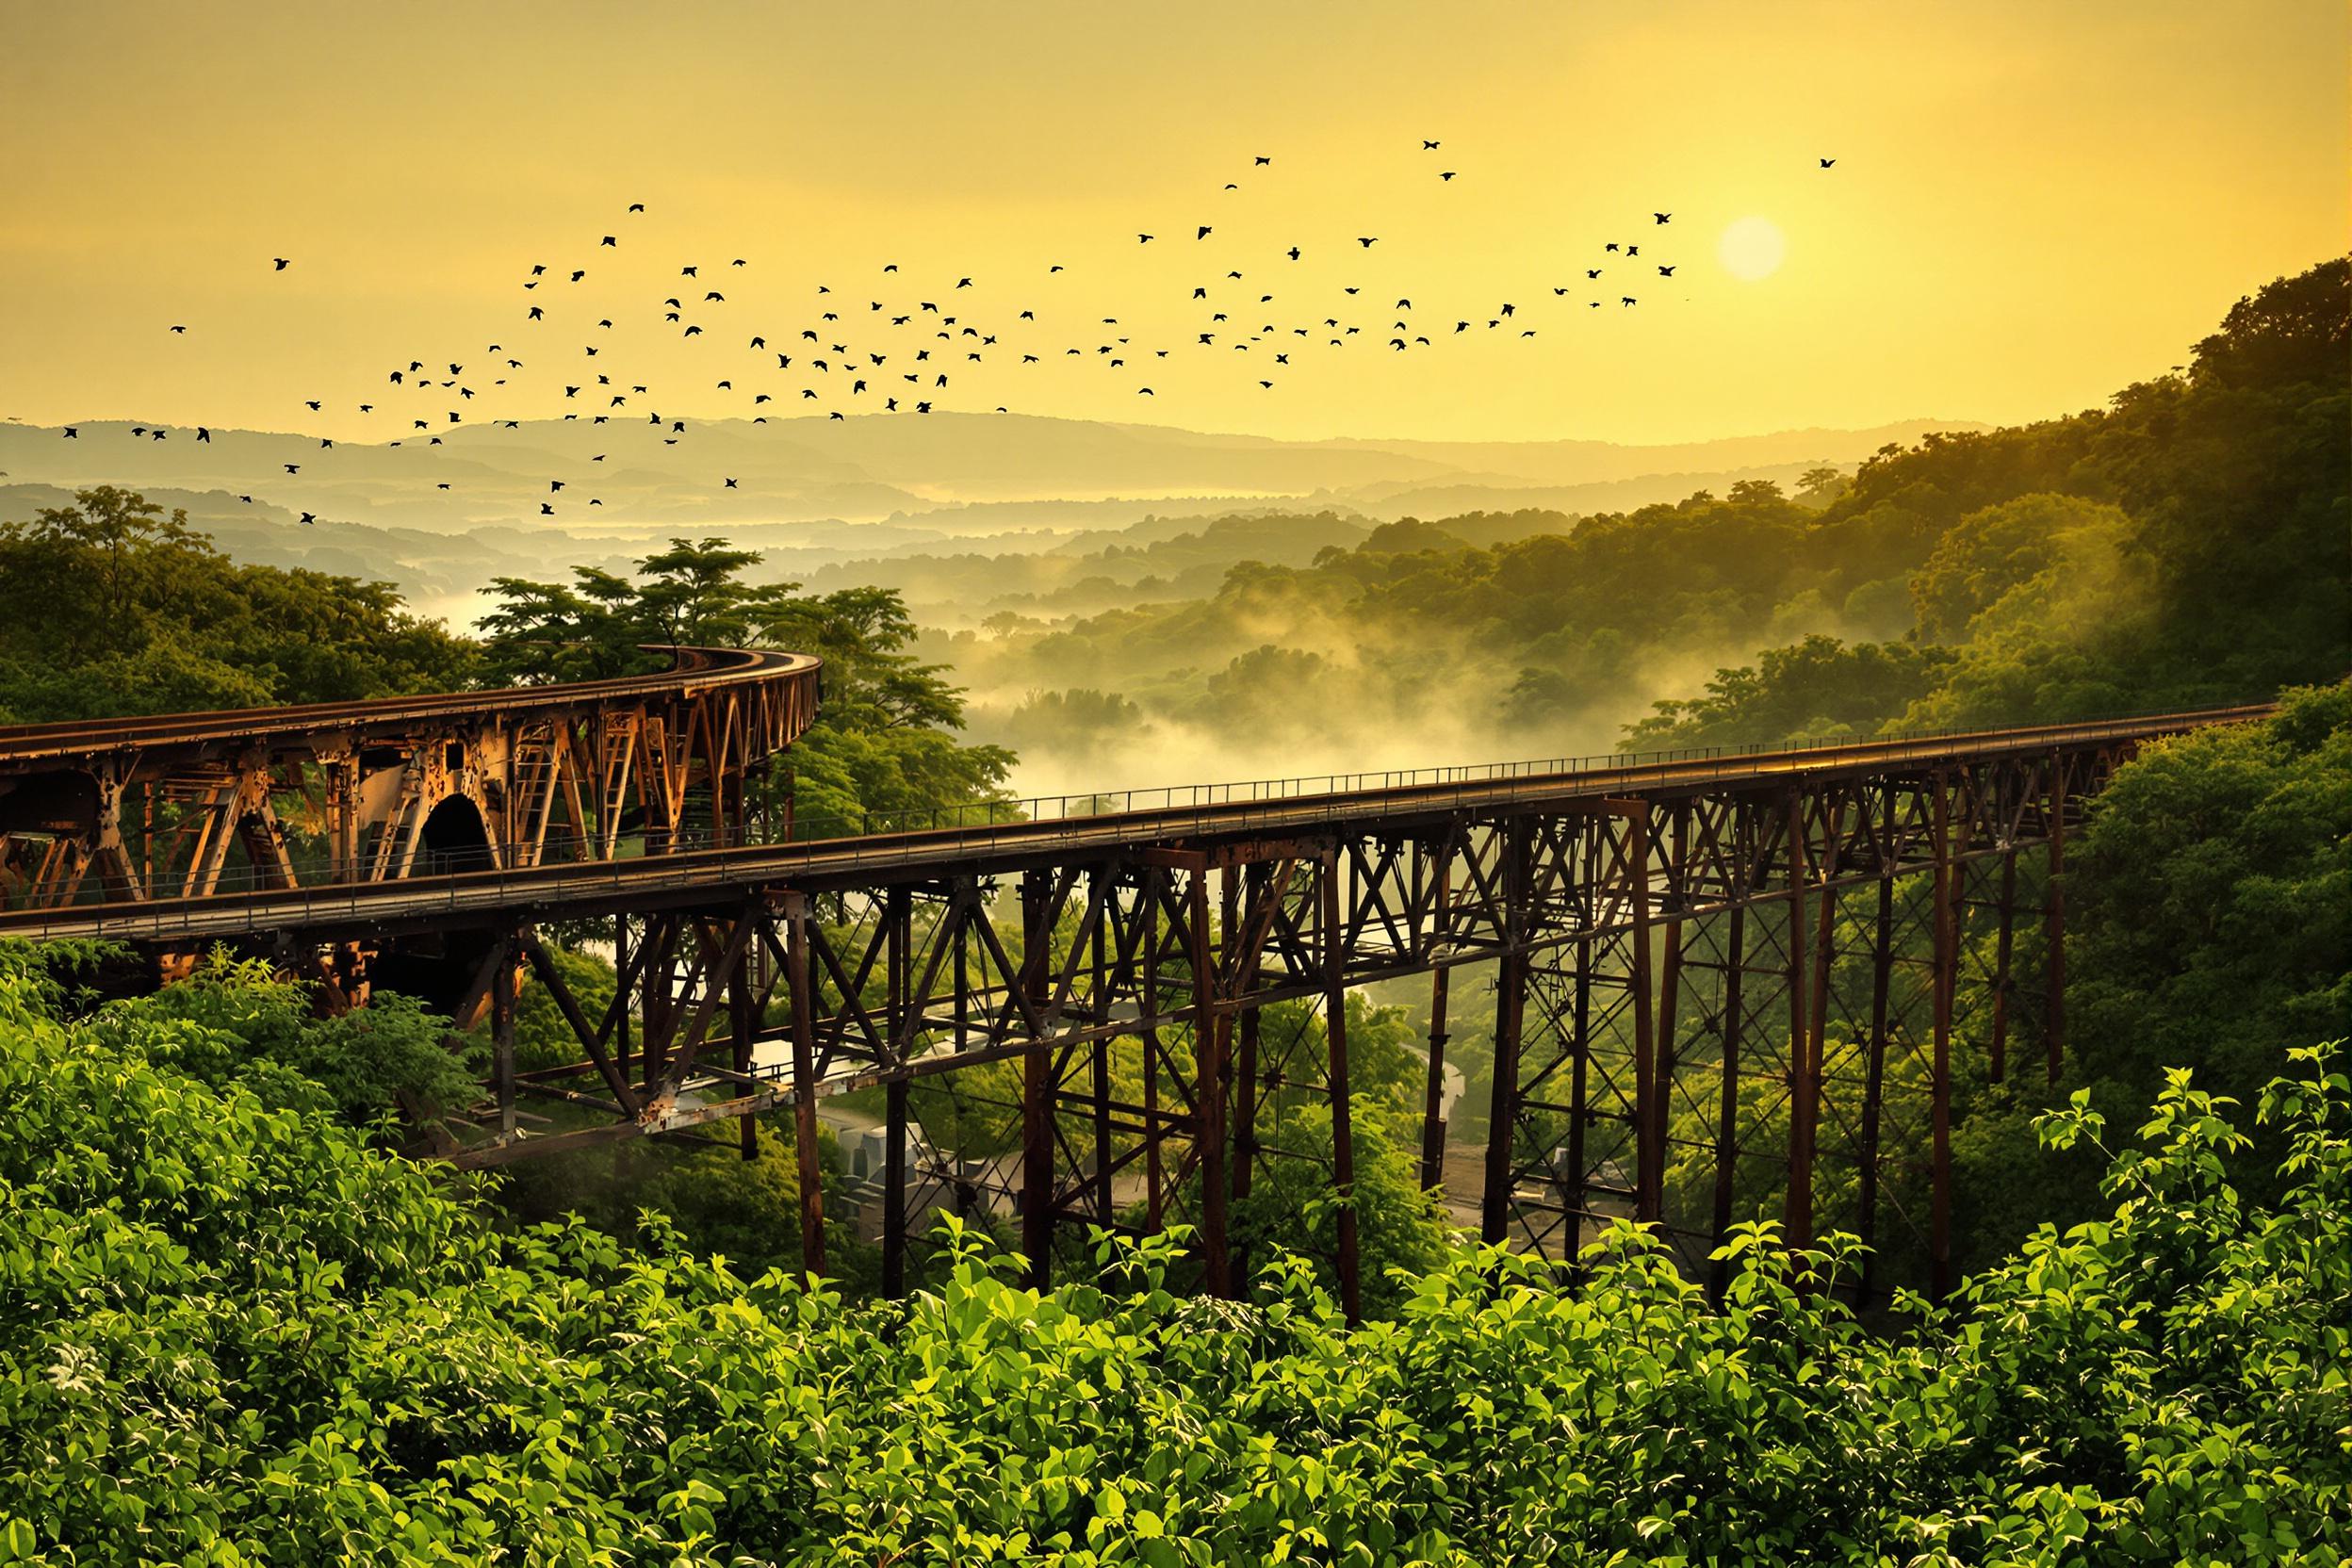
[(230, 1332)]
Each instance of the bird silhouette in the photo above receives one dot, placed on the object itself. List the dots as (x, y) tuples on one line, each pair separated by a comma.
[(1662, 217), (283, 263), (1261, 163), (179, 329), (1429, 146), (1826, 162), (1666, 272), (1446, 175)]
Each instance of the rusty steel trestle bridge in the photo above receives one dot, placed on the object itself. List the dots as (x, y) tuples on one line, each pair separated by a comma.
[(1711, 978)]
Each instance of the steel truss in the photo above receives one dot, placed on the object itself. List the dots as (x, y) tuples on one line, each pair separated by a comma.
[(1714, 1002), (135, 812)]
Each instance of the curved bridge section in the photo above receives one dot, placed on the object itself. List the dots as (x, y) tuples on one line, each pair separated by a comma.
[(181, 806)]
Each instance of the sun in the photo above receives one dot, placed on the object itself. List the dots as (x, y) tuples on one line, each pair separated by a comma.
[(1752, 248)]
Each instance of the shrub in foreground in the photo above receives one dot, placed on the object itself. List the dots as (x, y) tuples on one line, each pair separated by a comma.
[(231, 1332)]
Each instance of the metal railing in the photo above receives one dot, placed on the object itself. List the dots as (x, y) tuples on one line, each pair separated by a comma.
[(979, 830)]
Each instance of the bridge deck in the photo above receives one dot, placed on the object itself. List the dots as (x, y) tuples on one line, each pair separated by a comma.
[(696, 669), (594, 887)]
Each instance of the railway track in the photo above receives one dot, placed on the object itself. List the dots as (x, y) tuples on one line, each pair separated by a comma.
[(597, 887)]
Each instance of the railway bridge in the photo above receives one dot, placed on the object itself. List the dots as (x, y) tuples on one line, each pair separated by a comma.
[(1719, 986)]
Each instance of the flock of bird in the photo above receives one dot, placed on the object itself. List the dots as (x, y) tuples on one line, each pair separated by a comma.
[(892, 349)]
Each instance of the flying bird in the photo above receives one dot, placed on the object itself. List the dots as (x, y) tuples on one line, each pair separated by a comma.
[(283, 263), (1826, 162), (1662, 217)]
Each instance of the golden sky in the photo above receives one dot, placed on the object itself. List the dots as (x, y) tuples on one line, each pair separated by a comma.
[(2033, 203)]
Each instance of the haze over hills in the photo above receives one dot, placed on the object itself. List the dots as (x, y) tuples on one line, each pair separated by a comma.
[(860, 470), (819, 494)]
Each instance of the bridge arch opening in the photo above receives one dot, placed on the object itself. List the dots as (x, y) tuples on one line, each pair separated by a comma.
[(454, 838)]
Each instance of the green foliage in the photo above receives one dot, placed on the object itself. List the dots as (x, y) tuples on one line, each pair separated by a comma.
[(884, 748), (237, 1022), (115, 608), (1402, 1232), (1817, 690), (231, 1333), (2182, 548), (2210, 916)]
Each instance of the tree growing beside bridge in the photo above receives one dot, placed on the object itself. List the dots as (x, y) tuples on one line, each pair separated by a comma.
[(886, 744)]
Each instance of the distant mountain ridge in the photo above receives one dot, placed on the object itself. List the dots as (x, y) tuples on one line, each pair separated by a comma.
[(865, 470)]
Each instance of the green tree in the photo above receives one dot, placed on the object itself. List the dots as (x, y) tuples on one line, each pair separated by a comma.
[(885, 747), (116, 609)]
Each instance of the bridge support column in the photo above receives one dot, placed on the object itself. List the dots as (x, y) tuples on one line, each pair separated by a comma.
[(1997, 1047), (2054, 925), (1510, 1006), (1648, 1165), (1339, 1084), (798, 981), (1037, 1082), (1675, 899), (1947, 963), (743, 1023), (1106, 895), (1154, 890), (1208, 1089), (1807, 1001), (1874, 1070), (1727, 1113), (898, 911), (502, 1031), (1433, 1098)]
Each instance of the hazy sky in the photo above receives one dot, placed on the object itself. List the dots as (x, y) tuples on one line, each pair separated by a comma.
[(2032, 205)]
